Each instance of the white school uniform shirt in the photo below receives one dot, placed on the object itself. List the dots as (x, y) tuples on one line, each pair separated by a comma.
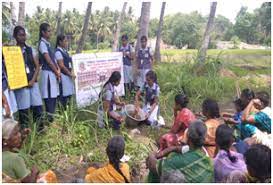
[(42, 46), (58, 54)]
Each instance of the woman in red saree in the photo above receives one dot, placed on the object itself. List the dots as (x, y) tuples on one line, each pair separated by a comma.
[(182, 118)]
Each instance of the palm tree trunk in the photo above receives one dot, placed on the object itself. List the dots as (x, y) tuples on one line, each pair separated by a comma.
[(158, 34), (21, 15), (85, 28), (58, 31), (97, 41), (116, 36), (205, 43), (144, 22), (12, 23)]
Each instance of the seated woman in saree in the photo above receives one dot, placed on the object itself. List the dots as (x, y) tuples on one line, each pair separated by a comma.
[(246, 129), (114, 171), (226, 160), (109, 103), (193, 164), (210, 109), (182, 118), (261, 120), (13, 165)]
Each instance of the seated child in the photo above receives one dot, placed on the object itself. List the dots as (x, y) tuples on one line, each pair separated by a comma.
[(150, 90)]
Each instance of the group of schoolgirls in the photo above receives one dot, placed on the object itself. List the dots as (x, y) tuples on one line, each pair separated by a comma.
[(146, 86), (56, 79)]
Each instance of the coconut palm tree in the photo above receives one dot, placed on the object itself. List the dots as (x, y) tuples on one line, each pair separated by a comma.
[(58, 29), (144, 22), (85, 28), (205, 43), (102, 24), (21, 15), (158, 34), (116, 36), (6, 13)]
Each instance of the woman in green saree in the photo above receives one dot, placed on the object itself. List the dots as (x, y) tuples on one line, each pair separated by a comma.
[(194, 164)]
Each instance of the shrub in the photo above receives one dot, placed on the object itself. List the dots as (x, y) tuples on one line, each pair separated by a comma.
[(235, 41)]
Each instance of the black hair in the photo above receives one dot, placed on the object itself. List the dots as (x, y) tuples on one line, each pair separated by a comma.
[(144, 37), (60, 38), (182, 100), (17, 29), (197, 133), (211, 107), (124, 37), (152, 75), (263, 97), (115, 76), (115, 151), (238, 102), (258, 158), (248, 93), (224, 138), (43, 27)]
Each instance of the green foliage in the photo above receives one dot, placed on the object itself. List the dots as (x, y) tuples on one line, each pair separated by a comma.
[(103, 45), (181, 77), (6, 14), (153, 27), (75, 133), (243, 56), (222, 28), (235, 41), (183, 29), (178, 30), (254, 28)]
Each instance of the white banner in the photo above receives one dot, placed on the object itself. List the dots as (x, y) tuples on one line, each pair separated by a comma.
[(92, 70)]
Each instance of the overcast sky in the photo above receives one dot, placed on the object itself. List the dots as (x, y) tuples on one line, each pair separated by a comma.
[(227, 8)]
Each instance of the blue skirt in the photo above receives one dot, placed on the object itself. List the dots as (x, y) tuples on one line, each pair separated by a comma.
[(27, 97), (67, 85), (49, 76), (128, 74)]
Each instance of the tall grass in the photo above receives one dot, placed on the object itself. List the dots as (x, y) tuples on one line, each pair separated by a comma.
[(75, 133)]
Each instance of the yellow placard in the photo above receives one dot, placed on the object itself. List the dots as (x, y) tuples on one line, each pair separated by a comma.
[(15, 66)]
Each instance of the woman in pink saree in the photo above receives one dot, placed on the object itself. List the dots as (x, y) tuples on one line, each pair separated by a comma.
[(182, 118)]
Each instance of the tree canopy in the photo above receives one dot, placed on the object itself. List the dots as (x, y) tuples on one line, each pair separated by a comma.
[(178, 29)]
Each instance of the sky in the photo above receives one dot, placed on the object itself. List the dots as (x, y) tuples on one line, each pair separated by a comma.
[(227, 8)]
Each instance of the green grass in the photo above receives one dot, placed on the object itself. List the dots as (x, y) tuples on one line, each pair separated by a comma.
[(216, 51)]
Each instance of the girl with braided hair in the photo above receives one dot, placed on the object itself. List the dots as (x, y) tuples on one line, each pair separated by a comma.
[(226, 161), (114, 171)]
